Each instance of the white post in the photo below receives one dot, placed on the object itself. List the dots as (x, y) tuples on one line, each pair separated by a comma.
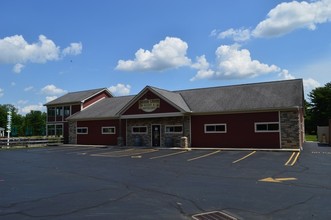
[(9, 116)]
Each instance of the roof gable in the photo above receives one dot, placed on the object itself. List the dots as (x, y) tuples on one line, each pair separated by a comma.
[(169, 102), (106, 108), (77, 97)]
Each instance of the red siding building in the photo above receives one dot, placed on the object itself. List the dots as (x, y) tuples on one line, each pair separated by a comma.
[(260, 115)]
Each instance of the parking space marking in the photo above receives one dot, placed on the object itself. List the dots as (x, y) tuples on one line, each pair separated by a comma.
[(167, 155), (63, 149), (293, 159), (125, 153), (205, 155), (243, 158)]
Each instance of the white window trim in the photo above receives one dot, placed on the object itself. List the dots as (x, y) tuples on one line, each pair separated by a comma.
[(173, 132), (82, 128), (139, 132), (111, 127), (266, 123), (211, 132)]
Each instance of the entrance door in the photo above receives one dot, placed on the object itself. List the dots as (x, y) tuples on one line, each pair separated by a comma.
[(156, 135)]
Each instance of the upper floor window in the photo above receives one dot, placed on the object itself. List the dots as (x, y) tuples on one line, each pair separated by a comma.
[(51, 111), (59, 111), (215, 128), (66, 111)]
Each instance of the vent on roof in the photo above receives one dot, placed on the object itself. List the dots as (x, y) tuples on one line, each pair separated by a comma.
[(215, 215)]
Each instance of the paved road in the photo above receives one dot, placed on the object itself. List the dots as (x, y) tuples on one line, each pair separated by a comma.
[(77, 182)]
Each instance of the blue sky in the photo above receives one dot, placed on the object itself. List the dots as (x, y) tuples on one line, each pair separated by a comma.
[(49, 48)]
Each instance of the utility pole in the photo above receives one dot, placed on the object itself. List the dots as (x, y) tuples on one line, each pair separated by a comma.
[(9, 117)]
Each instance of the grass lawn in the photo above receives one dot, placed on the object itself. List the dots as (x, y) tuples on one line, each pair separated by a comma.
[(309, 137)]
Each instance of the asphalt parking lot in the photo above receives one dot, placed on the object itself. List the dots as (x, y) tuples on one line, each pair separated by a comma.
[(81, 182)]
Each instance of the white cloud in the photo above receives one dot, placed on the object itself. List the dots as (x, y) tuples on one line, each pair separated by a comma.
[(27, 109), (18, 68), (238, 35), (168, 53), (1, 92), (29, 88), (52, 90), (16, 50), (73, 49), (22, 102), (50, 98), (120, 89), (283, 19), (289, 16), (284, 74), (233, 62), (310, 84)]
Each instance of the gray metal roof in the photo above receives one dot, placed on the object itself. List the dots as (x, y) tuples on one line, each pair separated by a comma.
[(173, 97), (277, 95), (249, 97), (75, 97), (106, 108)]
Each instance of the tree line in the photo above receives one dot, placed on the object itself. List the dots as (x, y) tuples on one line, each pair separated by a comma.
[(318, 108), (31, 124)]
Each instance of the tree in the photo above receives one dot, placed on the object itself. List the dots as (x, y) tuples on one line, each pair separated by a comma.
[(35, 123), (319, 109)]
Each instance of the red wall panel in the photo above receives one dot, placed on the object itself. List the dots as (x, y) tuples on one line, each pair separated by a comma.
[(95, 98), (95, 135), (240, 131), (165, 107)]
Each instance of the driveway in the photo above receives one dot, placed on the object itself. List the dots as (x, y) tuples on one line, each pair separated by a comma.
[(84, 182)]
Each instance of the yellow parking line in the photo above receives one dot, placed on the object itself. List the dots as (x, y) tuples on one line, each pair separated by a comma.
[(293, 159), (243, 158), (206, 155), (168, 155)]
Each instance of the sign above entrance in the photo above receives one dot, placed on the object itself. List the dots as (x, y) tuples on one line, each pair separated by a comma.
[(149, 105)]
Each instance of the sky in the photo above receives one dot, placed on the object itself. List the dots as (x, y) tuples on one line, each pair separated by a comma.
[(50, 48)]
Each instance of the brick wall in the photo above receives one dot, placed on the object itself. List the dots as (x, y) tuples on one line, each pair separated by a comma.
[(72, 132), (145, 139), (290, 129)]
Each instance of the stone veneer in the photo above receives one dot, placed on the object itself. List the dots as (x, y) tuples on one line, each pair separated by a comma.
[(290, 129), (167, 140), (72, 132)]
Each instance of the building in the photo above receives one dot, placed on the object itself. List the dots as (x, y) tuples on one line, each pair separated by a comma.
[(260, 115)]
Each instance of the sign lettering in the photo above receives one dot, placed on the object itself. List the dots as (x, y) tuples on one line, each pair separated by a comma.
[(149, 105)]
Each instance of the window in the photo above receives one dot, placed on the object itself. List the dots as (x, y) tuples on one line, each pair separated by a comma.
[(51, 112), (215, 128), (139, 130), (82, 130), (266, 127), (66, 111), (59, 111), (51, 130), (108, 130), (173, 129), (59, 130)]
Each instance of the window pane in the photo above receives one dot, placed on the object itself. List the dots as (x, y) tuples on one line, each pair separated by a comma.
[(210, 128), (220, 128), (261, 127), (273, 127)]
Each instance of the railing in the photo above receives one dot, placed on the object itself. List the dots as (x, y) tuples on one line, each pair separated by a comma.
[(29, 142)]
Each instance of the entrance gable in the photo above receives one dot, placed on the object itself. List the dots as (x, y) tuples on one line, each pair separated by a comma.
[(149, 103)]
